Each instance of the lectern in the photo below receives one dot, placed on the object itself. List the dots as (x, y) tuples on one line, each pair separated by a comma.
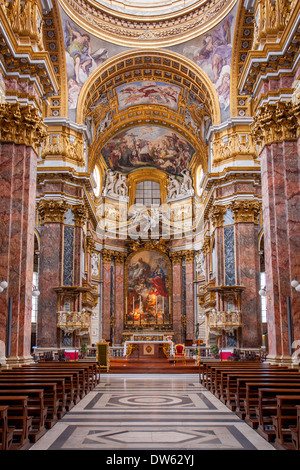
[(103, 354)]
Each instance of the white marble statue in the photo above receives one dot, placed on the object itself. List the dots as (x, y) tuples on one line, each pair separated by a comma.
[(187, 183), (173, 188)]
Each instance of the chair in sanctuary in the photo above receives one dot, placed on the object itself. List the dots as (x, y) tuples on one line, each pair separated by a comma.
[(179, 354)]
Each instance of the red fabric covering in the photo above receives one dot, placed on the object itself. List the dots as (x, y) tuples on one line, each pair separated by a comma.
[(225, 355), (72, 355), (179, 349)]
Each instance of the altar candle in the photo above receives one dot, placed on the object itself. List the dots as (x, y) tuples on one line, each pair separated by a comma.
[(133, 308)]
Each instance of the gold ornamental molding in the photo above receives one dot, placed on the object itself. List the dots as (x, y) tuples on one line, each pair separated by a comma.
[(60, 145), (131, 30), (178, 256), (246, 211), (109, 255), (276, 122), (21, 125), (52, 211)]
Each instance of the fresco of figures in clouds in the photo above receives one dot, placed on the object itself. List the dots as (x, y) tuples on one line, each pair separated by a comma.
[(148, 92), (148, 146), (212, 52), (84, 53)]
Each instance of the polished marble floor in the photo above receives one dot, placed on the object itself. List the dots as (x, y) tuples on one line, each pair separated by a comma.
[(151, 412)]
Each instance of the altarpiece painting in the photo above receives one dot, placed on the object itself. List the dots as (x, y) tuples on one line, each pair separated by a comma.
[(147, 302)]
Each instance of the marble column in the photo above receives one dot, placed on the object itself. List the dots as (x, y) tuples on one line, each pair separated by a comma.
[(276, 129), (246, 213), (51, 213), (17, 212), (217, 219), (281, 190), (177, 296), (106, 294), (189, 297), (119, 298)]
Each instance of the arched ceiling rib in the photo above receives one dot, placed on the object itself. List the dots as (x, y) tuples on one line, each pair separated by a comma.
[(159, 72)]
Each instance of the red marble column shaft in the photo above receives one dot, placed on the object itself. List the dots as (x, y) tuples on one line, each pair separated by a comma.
[(247, 273), (50, 276), (17, 212), (106, 300), (281, 216), (189, 270), (119, 302), (177, 302)]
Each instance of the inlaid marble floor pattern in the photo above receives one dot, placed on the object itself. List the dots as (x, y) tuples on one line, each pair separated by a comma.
[(145, 412)]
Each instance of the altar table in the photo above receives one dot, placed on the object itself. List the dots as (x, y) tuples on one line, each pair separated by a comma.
[(147, 348)]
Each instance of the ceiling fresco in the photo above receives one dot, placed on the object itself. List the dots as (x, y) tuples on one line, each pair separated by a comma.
[(148, 92), (148, 146), (211, 52)]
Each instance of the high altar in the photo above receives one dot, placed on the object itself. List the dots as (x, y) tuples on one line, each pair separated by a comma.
[(151, 346)]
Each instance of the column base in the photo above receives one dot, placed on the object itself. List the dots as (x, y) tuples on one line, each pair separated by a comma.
[(16, 361), (287, 361)]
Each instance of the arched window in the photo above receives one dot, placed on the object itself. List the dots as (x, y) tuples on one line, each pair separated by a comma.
[(97, 179), (147, 193)]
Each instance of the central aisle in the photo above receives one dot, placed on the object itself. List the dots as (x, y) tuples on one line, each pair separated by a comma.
[(150, 412)]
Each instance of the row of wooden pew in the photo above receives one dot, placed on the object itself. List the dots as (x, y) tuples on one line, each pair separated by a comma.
[(266, 396), (35, 396)]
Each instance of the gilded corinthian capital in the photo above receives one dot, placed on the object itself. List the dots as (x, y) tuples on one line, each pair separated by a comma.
[(52, 211), (276, 122), (21, 125), (80, 214), (246, 211), (216, 215)]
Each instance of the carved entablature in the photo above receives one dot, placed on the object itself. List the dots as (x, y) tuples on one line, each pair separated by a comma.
[(276, 122), (21, 125), (236, 144), (246, 210), (64, 146), (52, 211)]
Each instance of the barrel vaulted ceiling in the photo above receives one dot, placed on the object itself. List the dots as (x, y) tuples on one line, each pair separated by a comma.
[(128, 76)]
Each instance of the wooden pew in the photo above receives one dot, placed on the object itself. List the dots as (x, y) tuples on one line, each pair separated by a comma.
[(17, 417), (267, 407), (67, 389), (214, 374), (50, 395), (36, 409), (72, 386), (210, 370), (32, 378), (80, 377), (89, 372), (226, 381), (295, 430), (6, 433), (236, 387), (286, 416)]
